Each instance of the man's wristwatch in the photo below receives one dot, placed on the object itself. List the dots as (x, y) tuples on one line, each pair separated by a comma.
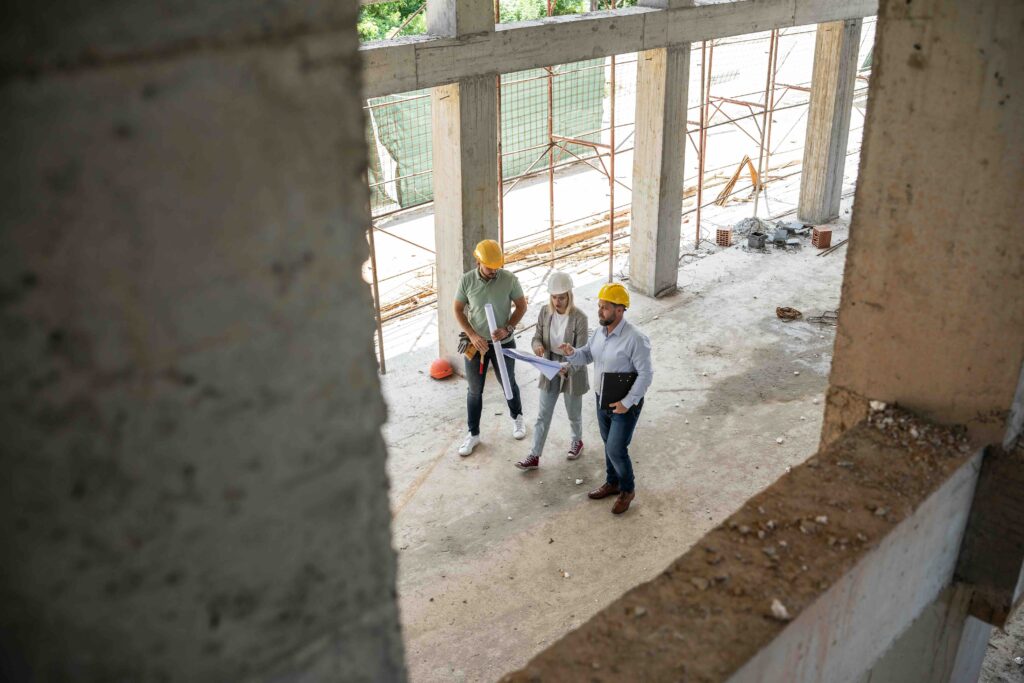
[(511, 330)]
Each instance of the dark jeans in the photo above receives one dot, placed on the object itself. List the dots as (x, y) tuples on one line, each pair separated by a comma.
[(476, 373), (617, 432)]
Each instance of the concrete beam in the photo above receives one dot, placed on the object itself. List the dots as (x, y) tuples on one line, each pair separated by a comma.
[(663, 75), (828, 120), (465, 141), (560, 40), (930, 316), (854, 544)]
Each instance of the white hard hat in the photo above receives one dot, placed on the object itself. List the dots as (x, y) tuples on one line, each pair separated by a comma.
[(559, 283)]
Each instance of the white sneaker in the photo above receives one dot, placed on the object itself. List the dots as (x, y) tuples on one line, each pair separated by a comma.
[(519, 428), (469, 444)]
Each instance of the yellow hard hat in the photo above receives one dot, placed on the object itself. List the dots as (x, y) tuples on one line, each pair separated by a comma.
[(615, 293), (488, 253)]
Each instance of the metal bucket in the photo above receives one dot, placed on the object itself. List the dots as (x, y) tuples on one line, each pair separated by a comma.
[(755, 240)]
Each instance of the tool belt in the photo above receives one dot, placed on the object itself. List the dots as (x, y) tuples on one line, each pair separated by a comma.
[(466, 347)]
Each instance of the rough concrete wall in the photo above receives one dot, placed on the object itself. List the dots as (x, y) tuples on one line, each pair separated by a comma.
[(193, 473), (940, 645), (932, 308)]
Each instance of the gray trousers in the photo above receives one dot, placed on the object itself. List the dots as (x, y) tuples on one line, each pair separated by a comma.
[(548, 399)]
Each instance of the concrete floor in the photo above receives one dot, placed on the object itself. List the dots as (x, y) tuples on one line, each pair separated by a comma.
[(483, 547), (1005, 648)]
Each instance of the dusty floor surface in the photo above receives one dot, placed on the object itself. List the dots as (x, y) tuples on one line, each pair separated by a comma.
[(1004, 648), (484, 548), (717, 606)]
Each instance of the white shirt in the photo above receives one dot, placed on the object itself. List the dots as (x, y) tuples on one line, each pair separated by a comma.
[(559, 321), (626, 349)]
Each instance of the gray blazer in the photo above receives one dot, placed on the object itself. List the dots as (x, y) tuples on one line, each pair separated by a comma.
[(577, 334)]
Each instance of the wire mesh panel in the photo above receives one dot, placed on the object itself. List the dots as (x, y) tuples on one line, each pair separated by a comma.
[(401, 155), (576, 96)]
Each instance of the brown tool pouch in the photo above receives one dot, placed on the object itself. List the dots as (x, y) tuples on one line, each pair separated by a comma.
[(465, 347)]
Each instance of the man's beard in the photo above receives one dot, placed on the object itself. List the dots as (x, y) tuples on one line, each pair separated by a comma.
[(605, 323)]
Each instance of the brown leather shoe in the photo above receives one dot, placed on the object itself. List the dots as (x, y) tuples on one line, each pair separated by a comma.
[(622, 502), (603, 492)]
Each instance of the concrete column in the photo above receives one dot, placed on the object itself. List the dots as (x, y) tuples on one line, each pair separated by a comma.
[(828, 120), (663, 75), (931, 315), (459, 18), (194, 485), (465, 141)]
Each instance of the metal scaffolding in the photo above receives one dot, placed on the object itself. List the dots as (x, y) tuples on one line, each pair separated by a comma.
[(565, 113)]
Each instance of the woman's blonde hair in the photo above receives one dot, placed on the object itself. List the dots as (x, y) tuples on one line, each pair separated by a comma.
[(568, 307)]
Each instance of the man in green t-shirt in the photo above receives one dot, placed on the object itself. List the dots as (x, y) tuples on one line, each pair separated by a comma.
[(489, 283)]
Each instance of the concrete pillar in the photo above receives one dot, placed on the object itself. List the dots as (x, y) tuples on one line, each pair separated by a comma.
[(931, 315), (194, 485), (465, 142), (662, 78), (828, 120)]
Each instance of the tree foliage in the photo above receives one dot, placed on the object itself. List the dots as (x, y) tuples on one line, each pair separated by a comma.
[(379, 21)]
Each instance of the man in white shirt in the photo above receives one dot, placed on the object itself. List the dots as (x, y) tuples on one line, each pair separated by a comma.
[(616, 346)]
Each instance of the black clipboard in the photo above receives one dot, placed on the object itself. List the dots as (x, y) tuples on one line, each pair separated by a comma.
[(615, 386)]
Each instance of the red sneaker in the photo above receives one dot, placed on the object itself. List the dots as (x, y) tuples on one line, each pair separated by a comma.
[(575, 450), (532, 462)]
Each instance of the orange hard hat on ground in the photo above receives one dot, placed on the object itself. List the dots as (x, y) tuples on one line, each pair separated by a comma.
[(440, 369)]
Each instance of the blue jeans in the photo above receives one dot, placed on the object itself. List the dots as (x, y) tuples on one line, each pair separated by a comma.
[(476, 373), (617, 432)]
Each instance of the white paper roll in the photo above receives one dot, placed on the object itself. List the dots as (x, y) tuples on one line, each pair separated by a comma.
[(499, 353)]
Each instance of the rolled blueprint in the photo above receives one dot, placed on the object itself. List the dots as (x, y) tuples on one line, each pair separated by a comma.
[(548, 368), (499, 353)]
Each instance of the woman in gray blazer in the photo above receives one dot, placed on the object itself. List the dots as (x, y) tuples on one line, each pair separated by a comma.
[(559, 322)]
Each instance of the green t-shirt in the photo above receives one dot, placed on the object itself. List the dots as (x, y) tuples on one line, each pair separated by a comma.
[(474, 291)]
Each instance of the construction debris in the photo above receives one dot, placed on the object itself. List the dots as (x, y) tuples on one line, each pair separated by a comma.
[(826, 318), (748, 226), (779, 611), (787, 314)]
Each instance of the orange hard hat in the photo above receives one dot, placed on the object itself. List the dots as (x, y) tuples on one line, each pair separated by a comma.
[(440, 369)]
